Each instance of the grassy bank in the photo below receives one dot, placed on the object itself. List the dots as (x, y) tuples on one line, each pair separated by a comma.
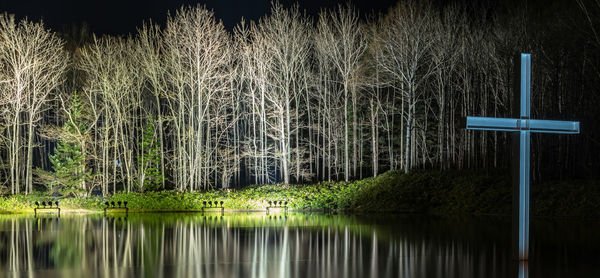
[(450, 192)]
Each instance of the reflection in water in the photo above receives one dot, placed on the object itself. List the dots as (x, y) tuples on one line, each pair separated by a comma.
[(523, 271), (292, 245)]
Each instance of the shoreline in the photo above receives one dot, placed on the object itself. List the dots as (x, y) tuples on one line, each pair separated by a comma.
[(450, 193)]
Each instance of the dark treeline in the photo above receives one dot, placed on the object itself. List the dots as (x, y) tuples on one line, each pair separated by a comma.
[(291, 98)]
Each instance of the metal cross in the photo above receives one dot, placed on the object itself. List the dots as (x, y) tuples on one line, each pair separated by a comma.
[(522, 126)]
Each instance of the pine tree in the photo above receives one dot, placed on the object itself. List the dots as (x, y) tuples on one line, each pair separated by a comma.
[(149, 160), (68, 160)]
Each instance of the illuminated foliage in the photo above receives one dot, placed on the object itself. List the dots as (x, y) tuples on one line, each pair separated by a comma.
[(68, 159)]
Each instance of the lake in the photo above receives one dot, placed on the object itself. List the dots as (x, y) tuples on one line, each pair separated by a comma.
[(290, 245)]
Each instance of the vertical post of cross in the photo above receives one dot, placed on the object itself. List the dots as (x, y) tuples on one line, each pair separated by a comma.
[(521, 159), (521, 126)]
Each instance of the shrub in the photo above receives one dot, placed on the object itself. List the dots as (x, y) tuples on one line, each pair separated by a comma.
[(450, 192)]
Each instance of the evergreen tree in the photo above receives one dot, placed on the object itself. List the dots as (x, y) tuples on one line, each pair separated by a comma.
[(68, 160), (149, 160)]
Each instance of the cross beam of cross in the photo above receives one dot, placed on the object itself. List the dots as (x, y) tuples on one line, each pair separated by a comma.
[(522, 126)]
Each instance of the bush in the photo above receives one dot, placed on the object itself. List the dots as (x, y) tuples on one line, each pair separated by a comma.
[(450, 192)]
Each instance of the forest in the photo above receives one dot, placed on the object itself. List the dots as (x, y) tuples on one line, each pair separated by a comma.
[(291, 98)]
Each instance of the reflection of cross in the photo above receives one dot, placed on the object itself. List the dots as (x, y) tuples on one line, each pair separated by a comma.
[(522, 126)]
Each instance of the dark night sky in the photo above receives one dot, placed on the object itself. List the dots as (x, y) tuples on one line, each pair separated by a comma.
[(122, 17)]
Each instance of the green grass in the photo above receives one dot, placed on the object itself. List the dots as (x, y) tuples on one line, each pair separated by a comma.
[(435, 192)]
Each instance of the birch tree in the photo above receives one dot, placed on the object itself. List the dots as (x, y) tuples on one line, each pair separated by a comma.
[(406, 44), (149, 51), (34, 61), (283, 40), (110, 84), (444, 55), (343, 40), (197, 50)]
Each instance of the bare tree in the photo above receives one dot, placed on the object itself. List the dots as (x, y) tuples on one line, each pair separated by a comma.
[(283, 42), (34, 60), (446, 31), (111, 83), (149, 59), (197, 50), (342, 38), (406, 44)]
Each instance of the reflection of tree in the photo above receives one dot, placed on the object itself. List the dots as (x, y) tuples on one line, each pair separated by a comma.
[(248, 245), (64, 252), (144, 245), (70, 243)]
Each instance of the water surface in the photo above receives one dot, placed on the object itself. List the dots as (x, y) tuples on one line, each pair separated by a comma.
[(290, 245)]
